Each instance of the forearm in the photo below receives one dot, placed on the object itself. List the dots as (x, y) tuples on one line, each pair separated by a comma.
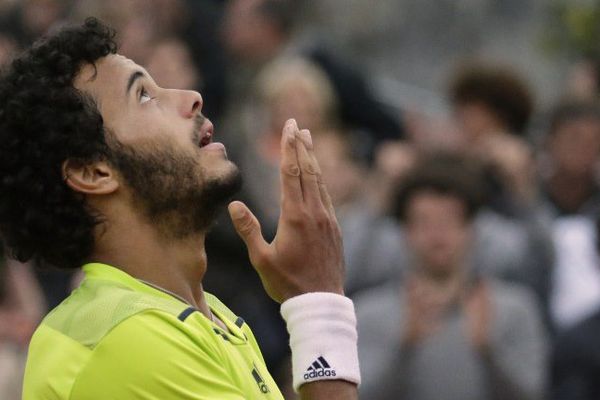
[(323, 341), (328, 390)]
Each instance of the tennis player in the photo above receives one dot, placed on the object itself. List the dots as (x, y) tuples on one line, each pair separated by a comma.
[(102, 169)]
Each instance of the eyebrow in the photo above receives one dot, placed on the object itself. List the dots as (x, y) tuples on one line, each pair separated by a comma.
[(132, 78)]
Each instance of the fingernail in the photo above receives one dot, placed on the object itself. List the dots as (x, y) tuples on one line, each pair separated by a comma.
[(237, 211), (291, 138), (306, 134)]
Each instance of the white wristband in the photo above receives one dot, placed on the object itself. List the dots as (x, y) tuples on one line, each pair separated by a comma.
[(323, 337)]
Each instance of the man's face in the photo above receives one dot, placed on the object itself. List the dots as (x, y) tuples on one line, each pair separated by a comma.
[(245, 30), (475, 121), (575, 146), (438, 232), (161, 146)]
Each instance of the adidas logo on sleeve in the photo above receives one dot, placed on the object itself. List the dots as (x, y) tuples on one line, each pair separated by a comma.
[(318, 369)]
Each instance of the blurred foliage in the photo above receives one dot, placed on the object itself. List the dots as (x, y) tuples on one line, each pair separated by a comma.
[(573, 28)]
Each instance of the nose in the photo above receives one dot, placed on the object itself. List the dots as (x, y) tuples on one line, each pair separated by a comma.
[(190, 103)]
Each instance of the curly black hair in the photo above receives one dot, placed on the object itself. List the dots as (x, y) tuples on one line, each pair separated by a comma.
[(442, 172), (573, 110), (44, 121), (498, 88)]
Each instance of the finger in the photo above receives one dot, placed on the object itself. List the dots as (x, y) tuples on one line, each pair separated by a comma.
[(324, 194), (306, 138), (291, 189), (326, 200), (309, 171), (248, 227)]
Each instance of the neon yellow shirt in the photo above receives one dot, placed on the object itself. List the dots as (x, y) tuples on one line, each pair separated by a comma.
[(117, 338)]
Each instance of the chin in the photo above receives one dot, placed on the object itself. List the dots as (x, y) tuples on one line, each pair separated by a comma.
[(225, 171), (207, 201), (225, 183)]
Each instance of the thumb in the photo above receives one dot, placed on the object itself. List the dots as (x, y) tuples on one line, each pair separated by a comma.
[(248, 227)]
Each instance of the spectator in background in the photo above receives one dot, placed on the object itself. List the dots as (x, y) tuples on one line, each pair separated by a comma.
[(575, 290), (143, 23), (571, 197), (255, 31), (392, 160), (492, 106), (290, 87), (171, 65), (259, 32), (444, 332), (576, 358), (583, 79), (569, 181), (373, 247), (30, 19), (21, 309)]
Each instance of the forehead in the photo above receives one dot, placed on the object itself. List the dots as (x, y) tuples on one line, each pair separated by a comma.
[(106, 79), (429, 201), (582, 121)]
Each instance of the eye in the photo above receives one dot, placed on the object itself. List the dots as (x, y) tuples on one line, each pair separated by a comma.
[(144, 96)]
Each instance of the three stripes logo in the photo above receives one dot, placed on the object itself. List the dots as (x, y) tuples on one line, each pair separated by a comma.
[(318, 369)]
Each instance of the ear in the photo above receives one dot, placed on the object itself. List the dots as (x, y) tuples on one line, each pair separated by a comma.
[(96, 177)]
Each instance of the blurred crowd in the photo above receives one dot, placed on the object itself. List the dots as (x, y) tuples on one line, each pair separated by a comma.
[(472, 237)]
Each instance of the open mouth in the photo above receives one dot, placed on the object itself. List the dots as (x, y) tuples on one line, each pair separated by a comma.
[(205, 134)]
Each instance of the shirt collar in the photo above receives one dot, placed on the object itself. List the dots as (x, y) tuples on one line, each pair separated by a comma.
[(106, 272)]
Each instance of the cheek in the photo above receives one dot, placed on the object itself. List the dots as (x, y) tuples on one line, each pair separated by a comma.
[(577, 153), (139, 129), (440, 238), (460, 241), (421, 238)]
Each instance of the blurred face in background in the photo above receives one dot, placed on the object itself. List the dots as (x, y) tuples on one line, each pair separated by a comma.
[(40, 15), (476, 121), (171, 65), (582, 80), (246, 33), (297, 100), (575, 145), (438, 232), (343, 176), (297, 88)]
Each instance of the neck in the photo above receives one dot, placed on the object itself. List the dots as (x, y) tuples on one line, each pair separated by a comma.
[(137, 248), (454, 276), (570, 191)]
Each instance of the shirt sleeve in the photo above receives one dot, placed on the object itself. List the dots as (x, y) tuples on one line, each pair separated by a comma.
[(147, 357), (519, 352)]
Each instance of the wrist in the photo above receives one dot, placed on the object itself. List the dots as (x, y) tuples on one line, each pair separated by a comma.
[(300, 292), (323, 338)]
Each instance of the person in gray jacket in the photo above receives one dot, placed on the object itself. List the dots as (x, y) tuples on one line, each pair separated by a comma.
[(445, 332)]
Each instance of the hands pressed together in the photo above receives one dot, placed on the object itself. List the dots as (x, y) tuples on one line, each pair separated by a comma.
[(306, 254), (428, 303)]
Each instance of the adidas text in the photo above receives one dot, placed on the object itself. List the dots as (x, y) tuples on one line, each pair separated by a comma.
[(319, 373), (320, 368)]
